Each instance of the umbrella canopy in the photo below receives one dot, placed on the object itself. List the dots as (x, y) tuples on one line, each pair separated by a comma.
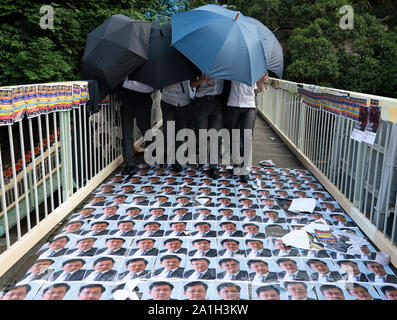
[(273, 49), (114, 49), (221, 42), (166, 65)]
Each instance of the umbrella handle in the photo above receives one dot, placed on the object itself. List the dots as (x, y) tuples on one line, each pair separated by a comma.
[(238, 13)]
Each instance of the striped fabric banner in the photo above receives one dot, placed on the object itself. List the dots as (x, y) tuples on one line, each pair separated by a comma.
[(314, 245), (325, 236)]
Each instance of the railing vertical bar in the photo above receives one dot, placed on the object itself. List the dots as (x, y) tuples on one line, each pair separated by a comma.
[(95, 155), (34, 171), (310, 134), (293, 129), (305, 131), (72, 183), (43, 166), (382, 177), (352, 162), (14, 178), (75, 148), (81, 164), (102, 130), (327, 153), (392, 154), (106, 134), (318, 138), (90, 144), (49, 158), (364, 168), (367, 181), (25, 176), (111, 133), (86, 145), (375, 173), (4, 203), (394, 226), (323, 159), (346, 158), (342, 155), (310, 138), (57, 157)]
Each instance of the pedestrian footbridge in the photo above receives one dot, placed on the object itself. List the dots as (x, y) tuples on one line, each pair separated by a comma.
[(62, 191)]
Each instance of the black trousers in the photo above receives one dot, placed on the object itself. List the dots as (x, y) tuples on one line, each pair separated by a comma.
[(177, 114), (239, 118), (208, 114), (139, 106)]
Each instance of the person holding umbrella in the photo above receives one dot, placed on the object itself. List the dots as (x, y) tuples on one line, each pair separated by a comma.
[(208, 107), (240, 111), (174, 106), (136, 103)]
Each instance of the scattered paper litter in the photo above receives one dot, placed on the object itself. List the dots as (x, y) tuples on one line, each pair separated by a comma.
[(302, 205), (297, 238), (382, 258)]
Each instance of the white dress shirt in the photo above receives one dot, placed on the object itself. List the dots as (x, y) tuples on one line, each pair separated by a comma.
[(201, 217), (201, 253), (254, 253), (176, 94), (196, 275), (165, 272), (48, 253), (260, 277), (290, 276), (137, 86), (380, 279), (64, 275), (230, 276), (323, 277), (241, 95), (93, 275)]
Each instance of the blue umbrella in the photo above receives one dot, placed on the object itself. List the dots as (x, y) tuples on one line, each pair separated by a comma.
[(221, 42), (273, 49)]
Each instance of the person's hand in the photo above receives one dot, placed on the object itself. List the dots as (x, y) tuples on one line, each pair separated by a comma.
[(204, 77), (265, 78), (125, 78), (260, 86)]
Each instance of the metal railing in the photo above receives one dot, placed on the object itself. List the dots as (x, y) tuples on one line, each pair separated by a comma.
[(361, 177), (49, 163)]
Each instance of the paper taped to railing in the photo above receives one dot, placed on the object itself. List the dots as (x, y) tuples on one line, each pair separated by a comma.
[(303, 205)]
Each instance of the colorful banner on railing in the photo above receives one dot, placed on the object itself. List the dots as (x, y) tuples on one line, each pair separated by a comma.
[(34, 100), (330, 101)]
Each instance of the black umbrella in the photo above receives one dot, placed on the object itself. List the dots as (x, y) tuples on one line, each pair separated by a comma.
[(166, 65), (115, 49)]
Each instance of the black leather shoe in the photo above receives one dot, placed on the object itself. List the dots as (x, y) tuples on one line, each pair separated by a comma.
[(244, 177), (127, 170), (214, 173), (177, 167)]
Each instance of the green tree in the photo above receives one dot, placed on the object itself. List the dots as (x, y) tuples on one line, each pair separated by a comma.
[(318, 51), (30, 54)]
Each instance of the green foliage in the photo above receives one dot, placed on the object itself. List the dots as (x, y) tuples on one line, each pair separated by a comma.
[(30, 54), (316, 49)]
